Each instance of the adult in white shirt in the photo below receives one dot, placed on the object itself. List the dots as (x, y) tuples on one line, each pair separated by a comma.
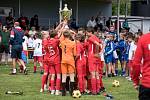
[(91, 23)]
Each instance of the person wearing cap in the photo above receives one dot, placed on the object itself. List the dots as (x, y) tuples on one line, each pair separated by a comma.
[(16, 40)]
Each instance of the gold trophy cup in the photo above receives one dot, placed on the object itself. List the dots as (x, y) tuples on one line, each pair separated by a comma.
[(65, 14)]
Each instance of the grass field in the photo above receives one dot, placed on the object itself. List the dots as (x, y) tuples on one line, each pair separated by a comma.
[(30, 85)]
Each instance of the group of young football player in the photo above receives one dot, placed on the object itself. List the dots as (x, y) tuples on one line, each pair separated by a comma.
[(81, 56)]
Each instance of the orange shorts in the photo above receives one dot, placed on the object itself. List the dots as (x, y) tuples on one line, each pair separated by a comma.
[(67, 68)]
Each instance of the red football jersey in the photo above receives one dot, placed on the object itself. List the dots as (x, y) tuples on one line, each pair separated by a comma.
[(51, 49), (93, 48), (80, 51)]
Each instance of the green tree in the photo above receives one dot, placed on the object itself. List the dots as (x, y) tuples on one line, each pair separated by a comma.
[(122, 7)]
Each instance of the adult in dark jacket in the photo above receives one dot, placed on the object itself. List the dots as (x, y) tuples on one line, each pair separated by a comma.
[(16, 40)]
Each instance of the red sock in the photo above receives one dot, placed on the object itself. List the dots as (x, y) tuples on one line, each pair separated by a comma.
[(102, 64), (80, 82), (34, 68), (83, 83), (93, 84), (52, 84), (89, 84), (58, 83), (98, 85), (21, 67), (100, 80), (43, 80)]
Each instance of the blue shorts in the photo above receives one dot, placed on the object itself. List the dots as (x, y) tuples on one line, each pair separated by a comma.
[(16, 51), (114, 60), (126, 57), (123, 57), (108, 59)]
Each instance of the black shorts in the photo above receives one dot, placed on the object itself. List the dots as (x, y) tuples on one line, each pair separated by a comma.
[(4, 48), (16, 51), (144, 93)]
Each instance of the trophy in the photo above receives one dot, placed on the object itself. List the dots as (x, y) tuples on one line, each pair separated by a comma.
[(65, 14)]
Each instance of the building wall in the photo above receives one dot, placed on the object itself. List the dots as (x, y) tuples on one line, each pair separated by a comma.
[(140, 8), (47, 10)]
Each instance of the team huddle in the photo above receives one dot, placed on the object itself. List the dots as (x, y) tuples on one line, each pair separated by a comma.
[(81, 56), (66, 53)]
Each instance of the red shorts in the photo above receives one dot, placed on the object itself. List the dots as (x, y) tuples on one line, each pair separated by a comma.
[(52, 68), (94, 66), (38, 58), (81, 68)]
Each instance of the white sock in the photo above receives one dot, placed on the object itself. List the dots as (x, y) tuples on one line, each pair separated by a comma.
[(14, 70), (24, 68)]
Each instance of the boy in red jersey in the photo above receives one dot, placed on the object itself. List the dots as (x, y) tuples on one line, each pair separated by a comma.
[(51, 59), (46, 71), (52, 63), (80, 62), (94, 61)]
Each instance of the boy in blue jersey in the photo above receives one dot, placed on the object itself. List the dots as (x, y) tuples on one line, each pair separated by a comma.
[(121, 52), (115, 57), (108, 54), (127, 45), (114, 33)]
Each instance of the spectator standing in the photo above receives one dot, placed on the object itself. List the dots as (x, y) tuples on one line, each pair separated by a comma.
[(125, 24), (73, 24), (4, 43), (16, 40), (109, 22), (91, 23), (100, 22), (34, 22), (24, 22), (9, 20)]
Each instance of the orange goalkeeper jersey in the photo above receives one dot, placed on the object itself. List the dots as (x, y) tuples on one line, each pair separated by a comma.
[(68, 51)]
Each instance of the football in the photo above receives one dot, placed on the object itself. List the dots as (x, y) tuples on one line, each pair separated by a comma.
[(76, 94), (116, 83)]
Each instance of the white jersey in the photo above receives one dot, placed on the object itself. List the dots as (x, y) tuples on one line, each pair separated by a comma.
[(132, 50), (37, 45), (25, 43), (30, 42)]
